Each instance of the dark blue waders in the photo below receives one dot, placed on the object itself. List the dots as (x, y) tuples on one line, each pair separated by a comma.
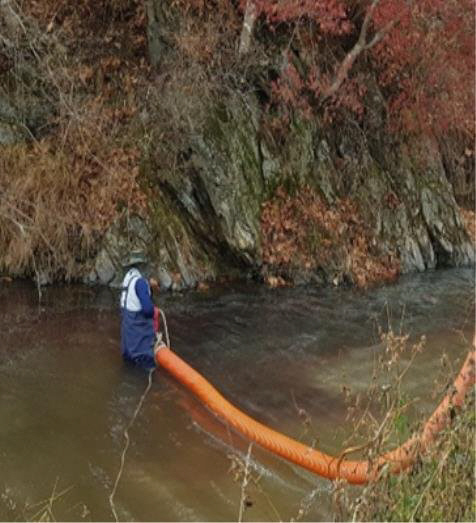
[(137, 335)]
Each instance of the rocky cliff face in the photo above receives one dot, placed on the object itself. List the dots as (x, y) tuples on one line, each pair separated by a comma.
[(205, 215), (207, 222)]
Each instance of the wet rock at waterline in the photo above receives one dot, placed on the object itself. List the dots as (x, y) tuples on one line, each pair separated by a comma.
[(205, 223), (124, 243), (208, 217)]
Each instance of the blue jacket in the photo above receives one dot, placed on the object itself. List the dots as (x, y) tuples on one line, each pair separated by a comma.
[(137, 325)]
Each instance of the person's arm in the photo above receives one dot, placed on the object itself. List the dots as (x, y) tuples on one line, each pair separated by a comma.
[(143, 293), (154, 285)]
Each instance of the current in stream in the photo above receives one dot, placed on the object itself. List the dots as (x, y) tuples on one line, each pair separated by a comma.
[(66, 397)]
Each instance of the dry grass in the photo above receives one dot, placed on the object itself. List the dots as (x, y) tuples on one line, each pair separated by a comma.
[(441, 485), (54, 205), (78, 172), (87, 64), (440, 488)]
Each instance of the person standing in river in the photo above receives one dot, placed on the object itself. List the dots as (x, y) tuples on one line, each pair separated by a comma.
[(140, 319)]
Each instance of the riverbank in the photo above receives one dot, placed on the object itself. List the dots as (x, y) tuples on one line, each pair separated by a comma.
[(363, 270), (440, 488), (125, 130)]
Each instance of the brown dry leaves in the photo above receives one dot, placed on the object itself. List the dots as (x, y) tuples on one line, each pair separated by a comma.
[(303, 232), (469, 220), (61, 193), (56, 202)]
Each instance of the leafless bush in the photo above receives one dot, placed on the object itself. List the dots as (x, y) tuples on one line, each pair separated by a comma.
[(76, 171)]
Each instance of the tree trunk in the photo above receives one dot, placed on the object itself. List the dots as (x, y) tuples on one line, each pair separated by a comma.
[(249, 20)]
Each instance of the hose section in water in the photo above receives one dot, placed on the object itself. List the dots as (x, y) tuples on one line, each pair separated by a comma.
[(354, 471)]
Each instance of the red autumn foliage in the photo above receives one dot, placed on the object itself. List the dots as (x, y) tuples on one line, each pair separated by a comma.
[(317, 58), (427, 64), (330, 16), (423, 51)]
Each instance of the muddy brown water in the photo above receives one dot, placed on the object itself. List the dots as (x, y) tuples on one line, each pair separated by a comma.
[(66, 397)]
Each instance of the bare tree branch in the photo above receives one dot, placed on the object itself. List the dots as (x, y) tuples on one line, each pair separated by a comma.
[(10, 17), (380, 34), (360, 46)]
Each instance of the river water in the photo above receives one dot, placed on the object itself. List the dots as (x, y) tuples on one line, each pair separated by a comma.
[(66, 397)]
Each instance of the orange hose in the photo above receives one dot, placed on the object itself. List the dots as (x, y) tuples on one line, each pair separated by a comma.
[(354, 471)]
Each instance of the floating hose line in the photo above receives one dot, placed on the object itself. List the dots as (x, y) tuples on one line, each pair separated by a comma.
[(354, 471)]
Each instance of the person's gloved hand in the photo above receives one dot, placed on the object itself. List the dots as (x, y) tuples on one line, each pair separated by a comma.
[(154, 284)]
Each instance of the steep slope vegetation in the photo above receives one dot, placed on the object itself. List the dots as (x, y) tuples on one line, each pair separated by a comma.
[(210, 147)]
